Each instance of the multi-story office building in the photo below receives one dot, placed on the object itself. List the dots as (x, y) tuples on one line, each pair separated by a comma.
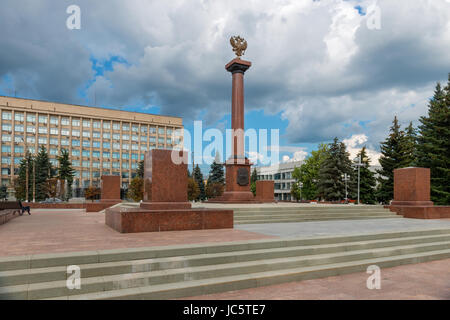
[(100, 141), (282, 175)]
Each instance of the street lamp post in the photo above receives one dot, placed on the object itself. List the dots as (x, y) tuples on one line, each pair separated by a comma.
[(359, 163), (300, 185), (346, 179), (27, 179)]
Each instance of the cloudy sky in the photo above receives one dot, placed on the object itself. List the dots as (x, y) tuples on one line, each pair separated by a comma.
[(320, 68)]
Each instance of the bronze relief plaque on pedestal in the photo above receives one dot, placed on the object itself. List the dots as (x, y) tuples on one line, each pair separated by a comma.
[(242, 177)]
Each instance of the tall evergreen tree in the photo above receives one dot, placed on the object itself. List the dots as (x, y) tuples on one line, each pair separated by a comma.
[(336, 163), (140, 169), (44, 171), (216, 175), (20, 182), (65, 171), (433, 150), (198, 177), (410, 146), (253, 179), (367, 180), (393, 156)]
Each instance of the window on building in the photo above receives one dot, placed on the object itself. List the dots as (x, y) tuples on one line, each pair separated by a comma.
[(106, 145), (161, 131), (86, 144), (76, 133), (65, 132), (54, 131), (86, 123), (116, 165), (86, 153), (96, 135), (6, 149), (125, 165), (75, 122), (6, 115), (106, 165), (53, 151), (65, 142), (96, 144), (142, 157), (31, 129), (43, 119), (134, 166), (19, 117), (31, 118), (75, 153), (126, 127), (54, 141), (125, 137), (96, 124), (135, 147), (161, 141), (86, 134), (134, 156), (152, 130), (6, 160), (86, 164), (125, 156), (116, 155), (152, 140), (65, 121), (75, 163), (106, 135), (96, 154), (6, 172), (106, 155), (54, 120), (116, 125), (75, 143), (42, 140), (6, 137), (31, 139), (96, 164), (135, 128), (116, 146), (144, 139), (144, 129), (116, 136), (6, 127), (43, 130), (125, 146), (106, 125), (19, 149)]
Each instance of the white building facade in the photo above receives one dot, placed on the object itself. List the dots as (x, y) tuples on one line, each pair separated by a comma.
[(281, 174)]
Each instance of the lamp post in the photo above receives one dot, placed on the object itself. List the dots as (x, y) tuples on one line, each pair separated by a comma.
[(27, 179), (346, 179), (300, 185), (359, 163)]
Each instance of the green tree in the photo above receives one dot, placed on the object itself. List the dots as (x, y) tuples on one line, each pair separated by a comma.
[(367, 180), (136, 189), (20, 182), (253, 179), (395, 154), (44, 171), (193, 190), (198, 177), (3, 193), (410, 146), (216, 174), (66, 172), (433, 149), (308, 173), (140, 169), (336, 163)]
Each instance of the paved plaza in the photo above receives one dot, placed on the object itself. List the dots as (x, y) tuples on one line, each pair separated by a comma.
[(56, 231)]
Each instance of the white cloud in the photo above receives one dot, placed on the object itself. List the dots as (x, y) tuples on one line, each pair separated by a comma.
[(354, 145)]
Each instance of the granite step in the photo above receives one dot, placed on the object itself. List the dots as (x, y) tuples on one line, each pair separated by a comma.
[(288, 220), (178, 271), (29, 276)]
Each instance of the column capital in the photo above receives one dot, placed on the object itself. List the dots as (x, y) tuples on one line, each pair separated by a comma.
[(238, 66)]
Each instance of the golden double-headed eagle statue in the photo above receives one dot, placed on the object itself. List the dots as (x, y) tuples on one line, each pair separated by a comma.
[(239, 45)]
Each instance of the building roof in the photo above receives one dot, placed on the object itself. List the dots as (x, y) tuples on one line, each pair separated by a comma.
[(32, 105)]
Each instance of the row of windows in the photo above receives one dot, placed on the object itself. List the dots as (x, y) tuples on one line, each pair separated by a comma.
[(44, 119)]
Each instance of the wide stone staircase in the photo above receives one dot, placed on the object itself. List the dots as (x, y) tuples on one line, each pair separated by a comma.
[(312, 213), (192, 270)]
